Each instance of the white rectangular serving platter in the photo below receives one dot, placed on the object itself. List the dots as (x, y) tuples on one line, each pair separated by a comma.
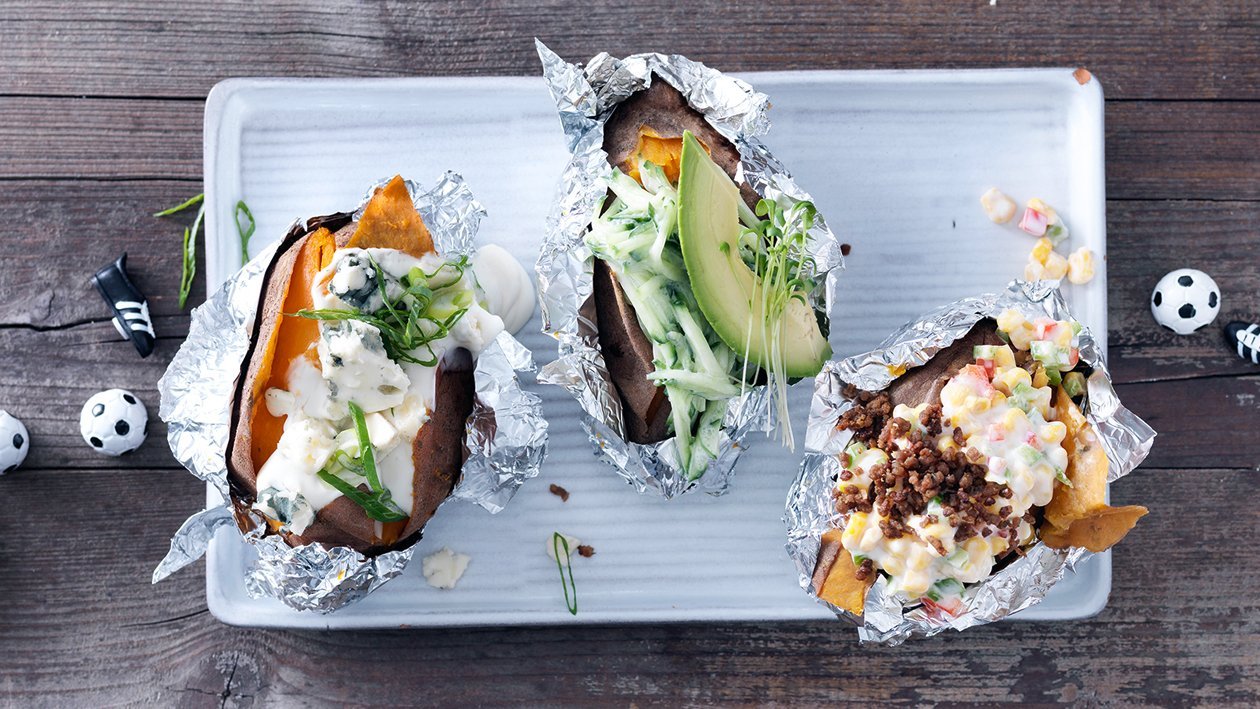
[(896, 162)]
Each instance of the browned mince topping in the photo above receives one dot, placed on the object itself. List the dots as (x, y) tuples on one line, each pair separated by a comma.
[(559, 492), (866, 418), (919, 472), (586, 550), (864, 570)]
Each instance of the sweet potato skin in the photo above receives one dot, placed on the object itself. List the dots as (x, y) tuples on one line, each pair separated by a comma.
[(924, 383), (438, 451), (628, 357)]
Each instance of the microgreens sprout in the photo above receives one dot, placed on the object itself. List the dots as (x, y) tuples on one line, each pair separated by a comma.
[(782, 261)]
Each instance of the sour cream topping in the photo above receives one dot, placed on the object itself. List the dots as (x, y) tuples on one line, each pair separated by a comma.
[(349, 364)]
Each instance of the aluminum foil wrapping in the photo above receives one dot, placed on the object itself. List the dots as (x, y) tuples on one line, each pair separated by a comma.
[(585, 98), (506, 434), (811, 509)]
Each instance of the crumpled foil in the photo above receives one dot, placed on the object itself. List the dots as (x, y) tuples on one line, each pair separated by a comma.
[(811, 509), (585, 98), (506, 434)]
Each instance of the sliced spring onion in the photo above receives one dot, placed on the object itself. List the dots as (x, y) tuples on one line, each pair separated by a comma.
[(375, 506), (564, 562)]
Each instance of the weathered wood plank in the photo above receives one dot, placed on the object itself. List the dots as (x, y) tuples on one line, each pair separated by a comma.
[(1155, 149), (1148, 239), (1149, 49), (1183, 150), (82, 626)]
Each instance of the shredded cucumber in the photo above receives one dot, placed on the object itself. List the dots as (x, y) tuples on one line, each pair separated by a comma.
[(637, 236)]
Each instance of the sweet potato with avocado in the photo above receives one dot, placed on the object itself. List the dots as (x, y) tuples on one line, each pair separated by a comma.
[(279, 339), (648, 125)]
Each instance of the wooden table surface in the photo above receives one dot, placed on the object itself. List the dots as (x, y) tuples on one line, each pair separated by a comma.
[(100, 123)]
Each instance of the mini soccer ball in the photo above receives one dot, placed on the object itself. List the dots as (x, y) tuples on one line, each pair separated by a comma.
[(14, 442), (114, 422), (1185, 300)]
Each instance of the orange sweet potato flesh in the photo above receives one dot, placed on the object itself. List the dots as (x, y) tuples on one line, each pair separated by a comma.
[(665, 153), (1086, 470), (1097, 531), (390, 221), (834, 577), (291, 339)]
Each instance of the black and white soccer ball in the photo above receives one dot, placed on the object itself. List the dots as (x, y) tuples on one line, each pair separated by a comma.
[(1185, 300), (15, 442), (114, 422)]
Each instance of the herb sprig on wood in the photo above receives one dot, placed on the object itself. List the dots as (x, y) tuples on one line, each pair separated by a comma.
[(188, 267)]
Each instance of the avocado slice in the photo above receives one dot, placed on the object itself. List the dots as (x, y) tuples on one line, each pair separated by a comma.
[(728, 292)]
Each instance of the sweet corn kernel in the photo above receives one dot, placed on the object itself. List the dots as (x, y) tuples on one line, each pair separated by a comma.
[(1041, 251), (1013, 419), (1040, 379), (919, 560), (894, 566), (1010, 319), (1056, 266), (855, 527), (1013, 377), (916, 585), (1004, 357), (1063, 336), (1053, 432), (997, 206), (1081, 266)]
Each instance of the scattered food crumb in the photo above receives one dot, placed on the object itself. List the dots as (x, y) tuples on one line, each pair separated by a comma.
[(1044, 263), (997, 206), (586, 550), (552, 543), (559, 492), (1034, 222), (845, 249), (1081, 266), (1081, 75), (443, 568)]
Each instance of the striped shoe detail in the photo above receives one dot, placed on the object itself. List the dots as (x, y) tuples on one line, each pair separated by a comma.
[(136, 315)]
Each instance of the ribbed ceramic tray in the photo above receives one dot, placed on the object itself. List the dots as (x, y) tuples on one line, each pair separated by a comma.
[(896, 162)]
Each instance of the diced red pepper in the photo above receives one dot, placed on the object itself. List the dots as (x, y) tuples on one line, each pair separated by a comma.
[(1034, 222)]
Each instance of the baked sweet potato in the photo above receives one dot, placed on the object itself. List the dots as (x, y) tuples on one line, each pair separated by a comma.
[(651, 124), (389, 221), (1077, 515)]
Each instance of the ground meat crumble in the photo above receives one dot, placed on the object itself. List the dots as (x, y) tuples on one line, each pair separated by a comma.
[(919, 472)]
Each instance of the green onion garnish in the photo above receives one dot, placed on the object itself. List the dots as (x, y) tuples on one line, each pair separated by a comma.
[(181, 207), (570, 588), (409, 322), (366, 455), (188, 269), (375, 505), (378, 503), (244, 232)]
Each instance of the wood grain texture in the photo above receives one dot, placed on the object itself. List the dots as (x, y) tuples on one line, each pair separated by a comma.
[(1146, 49), (100, 124), (90, 630)]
